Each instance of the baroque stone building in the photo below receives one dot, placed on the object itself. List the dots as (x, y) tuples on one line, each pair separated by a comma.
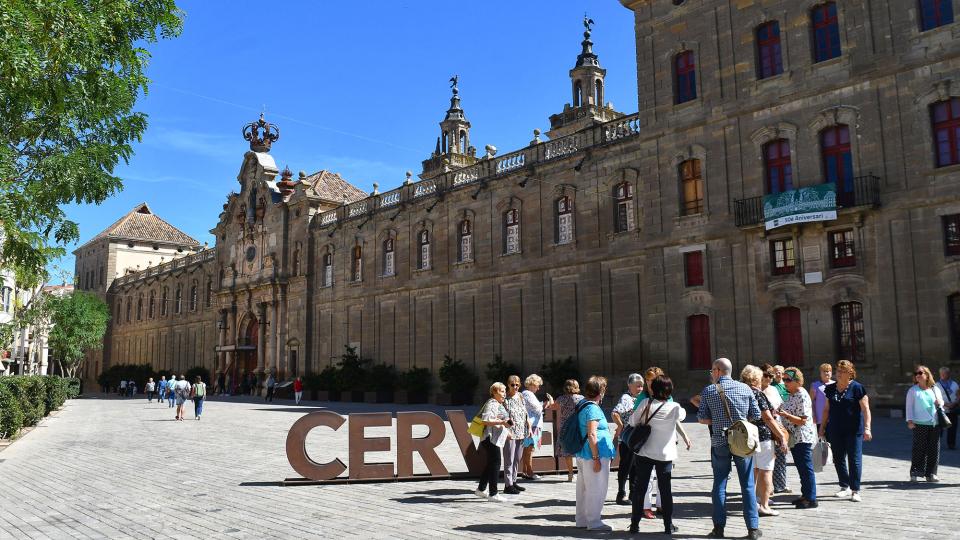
[(623, 241)]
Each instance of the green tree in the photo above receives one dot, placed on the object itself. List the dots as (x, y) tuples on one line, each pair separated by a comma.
[(79, 322), (70, 74)]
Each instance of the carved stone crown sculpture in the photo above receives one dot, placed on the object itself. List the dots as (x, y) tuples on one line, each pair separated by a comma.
[(261, 134)]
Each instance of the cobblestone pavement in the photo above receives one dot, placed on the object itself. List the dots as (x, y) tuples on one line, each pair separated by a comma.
[(111, 468)]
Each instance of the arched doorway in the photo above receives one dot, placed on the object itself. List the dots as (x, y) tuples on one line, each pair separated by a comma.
[(246, 351)]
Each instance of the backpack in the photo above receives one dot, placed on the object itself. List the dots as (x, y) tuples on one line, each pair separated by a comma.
[(199, 390), (571, 439), (742, 437), (641, 432)]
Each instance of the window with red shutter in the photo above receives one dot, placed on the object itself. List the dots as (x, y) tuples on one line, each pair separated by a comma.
[(789, 338), (945, 117), (693, 268), (698, 333), (842, 253)]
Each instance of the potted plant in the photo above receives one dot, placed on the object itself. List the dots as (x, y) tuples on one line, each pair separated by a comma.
[(556, 372), (381, 381), (457, 383), (498, 370), (415, 385), (352, 374)]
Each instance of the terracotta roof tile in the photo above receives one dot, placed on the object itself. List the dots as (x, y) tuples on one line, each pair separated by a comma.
[(330, 186), (142, 224)]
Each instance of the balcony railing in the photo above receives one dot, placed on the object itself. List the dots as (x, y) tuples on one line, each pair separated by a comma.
[(182, 262), (865, 192), (486, 169)]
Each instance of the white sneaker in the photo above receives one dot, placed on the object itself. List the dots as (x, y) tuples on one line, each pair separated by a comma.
[(496, 498), (914, 478), (535, 477), (933, 478), (480, 494), (603, 527), (844, 493), (856, 497)]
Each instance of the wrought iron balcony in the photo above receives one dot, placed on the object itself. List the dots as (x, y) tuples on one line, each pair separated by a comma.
[(866, 192)]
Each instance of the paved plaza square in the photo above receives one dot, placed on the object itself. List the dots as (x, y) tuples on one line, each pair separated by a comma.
[(123, 468)]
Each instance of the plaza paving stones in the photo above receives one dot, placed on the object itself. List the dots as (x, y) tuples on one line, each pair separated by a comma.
[(122, 468)]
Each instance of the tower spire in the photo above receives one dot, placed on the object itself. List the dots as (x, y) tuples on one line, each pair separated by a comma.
[(453, 146)]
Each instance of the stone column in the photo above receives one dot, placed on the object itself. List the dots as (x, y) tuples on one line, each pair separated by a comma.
[(283, 353), (221, 341), (261, 338), (274, 337)]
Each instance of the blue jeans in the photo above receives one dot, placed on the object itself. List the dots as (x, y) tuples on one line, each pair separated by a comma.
[(170, 398), (198, 406), (720, 460), (803, 458), (848, 448)]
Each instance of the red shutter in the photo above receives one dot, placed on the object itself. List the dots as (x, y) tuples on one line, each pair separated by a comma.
[(698, 327), (789, 336), (693, 268)]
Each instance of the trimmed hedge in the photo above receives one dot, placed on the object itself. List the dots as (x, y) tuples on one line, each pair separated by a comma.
[(25, 400)]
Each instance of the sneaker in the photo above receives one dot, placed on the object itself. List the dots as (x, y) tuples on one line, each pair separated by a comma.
[(844, 493), (621, 500), (753, 534), (717, 532), (480, 494), (784, 490), (535, 477), (914, 479), (496, 498), (932, 478), (671, 529), (519, 487), (511, 490), (856, 497), (603, 527), (803, 505)]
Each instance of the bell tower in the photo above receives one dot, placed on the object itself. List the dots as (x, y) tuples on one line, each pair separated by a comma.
[(587, 106), (453, 150)]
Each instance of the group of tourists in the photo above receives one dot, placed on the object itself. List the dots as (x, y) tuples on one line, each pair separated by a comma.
[(177, 392), (753, 422)]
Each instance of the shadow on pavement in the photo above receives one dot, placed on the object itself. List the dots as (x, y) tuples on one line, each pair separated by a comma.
[(303, 410)]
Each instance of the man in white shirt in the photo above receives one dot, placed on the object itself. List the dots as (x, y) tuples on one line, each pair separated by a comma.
[(951, 404)]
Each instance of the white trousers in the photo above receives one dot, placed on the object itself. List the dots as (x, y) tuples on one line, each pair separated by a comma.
[(591, 492), (652, 492)]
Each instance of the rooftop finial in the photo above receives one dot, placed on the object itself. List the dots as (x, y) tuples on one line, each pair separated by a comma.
[(261, 134), (588, 24), (586, 56), (453, 84)]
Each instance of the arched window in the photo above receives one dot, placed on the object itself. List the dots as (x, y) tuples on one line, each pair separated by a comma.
[(193, 296), (129, 305), (328, 270), (208, 299), (178, 300), (848, 331), (953, 311), (945, 119), (140, 307), (698, 341), (577, 94), (598, 92), (151, 308), (465, 243), (684, 77), (935, 13), (788, 336), (826, 32), (623, 216), (838, 161), (463, 142), (423, 255), (769, 55), (356, 266), (563, 220), (163, 302), (511, 231), (778, 169), (446, 140), (691, 186), (388, 260)]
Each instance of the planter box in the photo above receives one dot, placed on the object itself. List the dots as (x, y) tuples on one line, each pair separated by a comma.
[(320, 395), (370, 397), (443, 398), (463, 398), (378, 396)]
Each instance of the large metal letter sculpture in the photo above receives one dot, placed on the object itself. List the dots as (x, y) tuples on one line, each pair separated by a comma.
[(297, 451), (426, 446), (360, 445)]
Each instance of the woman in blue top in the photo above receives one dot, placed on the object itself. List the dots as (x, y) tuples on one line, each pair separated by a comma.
[(593, 459), (846, 424)]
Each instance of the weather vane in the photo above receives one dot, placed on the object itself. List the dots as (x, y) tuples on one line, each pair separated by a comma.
[(587, 22), (453, 84)]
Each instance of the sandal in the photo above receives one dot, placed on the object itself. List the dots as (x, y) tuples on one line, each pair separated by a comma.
[(767, 513)]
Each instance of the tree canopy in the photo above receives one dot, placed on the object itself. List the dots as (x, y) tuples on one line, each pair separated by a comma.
[(70, 74), (79, 322)]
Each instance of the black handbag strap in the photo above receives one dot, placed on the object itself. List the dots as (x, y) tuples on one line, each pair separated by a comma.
[(654, 412)]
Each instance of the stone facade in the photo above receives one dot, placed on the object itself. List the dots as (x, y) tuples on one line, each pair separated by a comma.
[(622, 241)]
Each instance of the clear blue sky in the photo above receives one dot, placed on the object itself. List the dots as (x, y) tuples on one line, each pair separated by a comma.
[(356, 87)]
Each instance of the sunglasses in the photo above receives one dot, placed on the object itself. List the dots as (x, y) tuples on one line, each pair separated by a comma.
[(515, 385), (787, 379), (919, 373)]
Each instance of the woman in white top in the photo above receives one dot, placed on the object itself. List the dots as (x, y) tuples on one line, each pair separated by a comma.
[(923, 400), (496, 421), (535, 414), (660, 449)]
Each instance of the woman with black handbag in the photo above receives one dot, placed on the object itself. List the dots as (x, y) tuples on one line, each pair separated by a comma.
[(658, 450)]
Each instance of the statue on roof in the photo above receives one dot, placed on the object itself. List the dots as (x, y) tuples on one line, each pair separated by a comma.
[(453, 84), (588, 23)]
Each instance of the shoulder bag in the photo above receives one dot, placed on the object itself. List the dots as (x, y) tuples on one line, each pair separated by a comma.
[(641, 432), (742, 436)]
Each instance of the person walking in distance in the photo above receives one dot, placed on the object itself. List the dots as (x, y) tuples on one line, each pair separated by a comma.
[(297, 390), (162, 389), (198, 392), (742, 405), (123, 388), (181, 391), (951, 404), (149, 388), (271, 386), (171, 394)]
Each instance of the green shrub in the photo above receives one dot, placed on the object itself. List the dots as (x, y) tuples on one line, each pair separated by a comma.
[(73, 387), (352, 370), (556, 372), (499, 371), (457, 379), (11, 415), (416, 379), (56, 393), (202, 372), (382, 378)]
